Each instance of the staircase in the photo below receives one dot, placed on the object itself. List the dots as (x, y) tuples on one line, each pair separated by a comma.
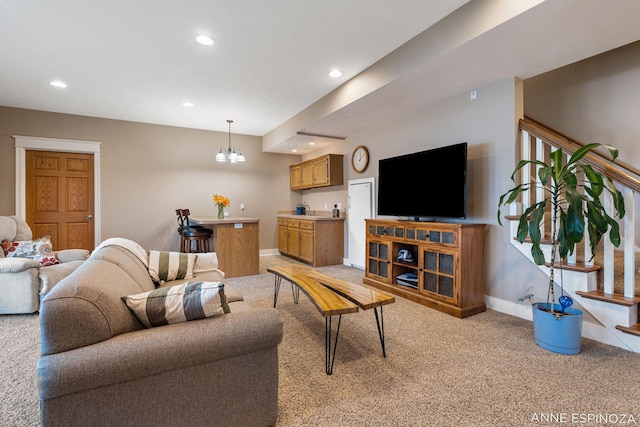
[(608, 287)]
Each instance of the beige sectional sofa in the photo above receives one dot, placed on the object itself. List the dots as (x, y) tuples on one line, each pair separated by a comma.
[(100, 366)]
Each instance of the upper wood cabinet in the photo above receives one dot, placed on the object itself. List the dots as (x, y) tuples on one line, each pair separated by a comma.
[(296, 176), (319, 172)]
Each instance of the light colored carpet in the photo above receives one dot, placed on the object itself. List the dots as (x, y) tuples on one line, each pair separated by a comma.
[(485, 370)]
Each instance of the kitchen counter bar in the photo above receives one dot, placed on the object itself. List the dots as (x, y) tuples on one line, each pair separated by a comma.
[(236, 241)]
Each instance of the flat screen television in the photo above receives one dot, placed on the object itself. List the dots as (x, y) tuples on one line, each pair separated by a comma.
[(425, 185)]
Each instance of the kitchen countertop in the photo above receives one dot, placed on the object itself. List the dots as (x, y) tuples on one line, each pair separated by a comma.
[(311, 217), (198, 220)]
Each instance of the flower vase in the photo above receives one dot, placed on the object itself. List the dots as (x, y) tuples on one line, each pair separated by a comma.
[(220, 212)]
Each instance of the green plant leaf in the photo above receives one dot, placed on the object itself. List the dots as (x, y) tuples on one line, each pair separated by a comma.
[(595, 180), (544, 173), (595, 237), (596, 218), (538, 255), (613, 151), (523, 224), (535, 234), (581, 152), (523, 163), (570, 179), (574, 222), (618, 198), (614, 232)]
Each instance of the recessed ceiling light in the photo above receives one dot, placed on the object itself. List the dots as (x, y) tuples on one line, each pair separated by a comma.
[(335, 73), (205, 40), (58, 83), (312, 143), (187, 104), (294, 151)]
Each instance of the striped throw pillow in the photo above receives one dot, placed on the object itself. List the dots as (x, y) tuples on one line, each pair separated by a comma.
[(165, 266), (179, 303)]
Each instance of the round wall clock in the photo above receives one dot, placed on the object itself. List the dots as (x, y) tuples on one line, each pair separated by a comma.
[(360, 159)]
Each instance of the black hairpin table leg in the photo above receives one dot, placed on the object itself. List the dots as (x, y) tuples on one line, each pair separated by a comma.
[(380, 323), (329, 357)]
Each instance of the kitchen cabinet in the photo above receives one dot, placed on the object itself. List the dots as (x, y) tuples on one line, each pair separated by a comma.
[(317, 241), (322, 171)]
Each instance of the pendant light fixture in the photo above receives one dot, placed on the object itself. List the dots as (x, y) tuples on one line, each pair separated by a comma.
[(230, 154)]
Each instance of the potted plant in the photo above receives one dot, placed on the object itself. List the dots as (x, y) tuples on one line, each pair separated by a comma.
[(301, 208), (573, 202)]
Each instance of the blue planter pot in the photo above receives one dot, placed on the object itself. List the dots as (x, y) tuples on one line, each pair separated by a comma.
[(562, 335), (300, 210)]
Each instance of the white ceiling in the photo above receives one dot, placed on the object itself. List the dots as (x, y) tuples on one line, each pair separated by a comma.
[(138, 61)]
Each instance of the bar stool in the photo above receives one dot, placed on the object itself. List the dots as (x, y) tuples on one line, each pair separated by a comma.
[(180, 227), (190, 234)]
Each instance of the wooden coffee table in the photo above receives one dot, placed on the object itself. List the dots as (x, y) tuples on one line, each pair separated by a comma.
[(332, 297)]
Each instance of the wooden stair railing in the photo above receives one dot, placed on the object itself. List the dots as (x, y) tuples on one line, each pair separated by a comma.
[(619, 171), (617, 283)]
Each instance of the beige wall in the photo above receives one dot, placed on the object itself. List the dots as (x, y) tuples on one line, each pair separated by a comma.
[(595, 100), (148, 171)]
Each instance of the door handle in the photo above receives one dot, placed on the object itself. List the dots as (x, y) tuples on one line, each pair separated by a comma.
[(89, 217)]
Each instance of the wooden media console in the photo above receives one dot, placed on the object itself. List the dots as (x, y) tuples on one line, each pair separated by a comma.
[(441, 265)]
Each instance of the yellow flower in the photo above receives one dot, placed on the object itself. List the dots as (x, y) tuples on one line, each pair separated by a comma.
[(221, 200)]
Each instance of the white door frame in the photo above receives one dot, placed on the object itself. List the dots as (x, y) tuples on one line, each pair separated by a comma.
[(371, 181), (24, 143)]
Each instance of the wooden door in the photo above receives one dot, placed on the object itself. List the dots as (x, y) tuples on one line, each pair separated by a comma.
[(59, 198)]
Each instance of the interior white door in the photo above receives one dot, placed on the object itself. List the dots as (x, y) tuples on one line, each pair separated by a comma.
[(360, 207)]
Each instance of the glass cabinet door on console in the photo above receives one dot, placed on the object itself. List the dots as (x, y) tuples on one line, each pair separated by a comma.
[(439, 274), (378, 260)]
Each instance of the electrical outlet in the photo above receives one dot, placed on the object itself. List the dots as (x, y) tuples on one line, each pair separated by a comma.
[(473, 94), (241, 206)]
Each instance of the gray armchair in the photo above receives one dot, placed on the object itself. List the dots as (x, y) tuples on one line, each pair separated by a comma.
[(23, 280)]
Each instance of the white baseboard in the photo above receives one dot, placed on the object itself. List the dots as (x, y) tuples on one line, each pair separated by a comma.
[(590, 330), (269, 252)]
